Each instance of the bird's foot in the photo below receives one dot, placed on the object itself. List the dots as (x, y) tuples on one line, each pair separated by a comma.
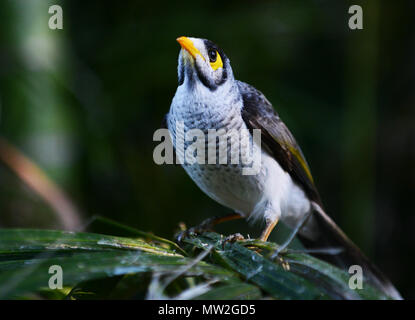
[(284, 264), (206, 225), (232, 238), (276, 257)]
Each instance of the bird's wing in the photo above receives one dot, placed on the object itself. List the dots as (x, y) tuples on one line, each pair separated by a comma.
[(276, 139)]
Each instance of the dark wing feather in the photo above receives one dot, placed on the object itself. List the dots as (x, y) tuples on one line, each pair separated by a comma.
[(276, 139)]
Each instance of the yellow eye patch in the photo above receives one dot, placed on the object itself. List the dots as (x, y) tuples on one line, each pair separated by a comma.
[(217, 63)]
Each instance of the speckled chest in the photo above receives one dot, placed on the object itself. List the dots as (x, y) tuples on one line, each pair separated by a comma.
[(224, 182)]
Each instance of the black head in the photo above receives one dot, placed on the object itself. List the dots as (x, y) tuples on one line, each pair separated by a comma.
[(202, 60)]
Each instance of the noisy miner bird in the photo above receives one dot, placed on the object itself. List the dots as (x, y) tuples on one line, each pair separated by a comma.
[(208, 97)]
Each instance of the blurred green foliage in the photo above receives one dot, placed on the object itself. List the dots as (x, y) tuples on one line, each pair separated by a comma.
[(96, 266), (83, 103)]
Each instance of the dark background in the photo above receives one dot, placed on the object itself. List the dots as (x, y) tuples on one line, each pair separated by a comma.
[(83, 104)]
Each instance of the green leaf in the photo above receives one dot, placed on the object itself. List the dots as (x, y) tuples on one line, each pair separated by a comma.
[(26, 256), (269, 276), (97, 266), (332, 280)]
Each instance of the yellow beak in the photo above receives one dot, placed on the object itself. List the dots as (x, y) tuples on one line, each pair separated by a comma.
[(188, 45)]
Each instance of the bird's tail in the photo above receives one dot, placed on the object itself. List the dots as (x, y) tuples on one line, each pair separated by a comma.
[(330, 235)]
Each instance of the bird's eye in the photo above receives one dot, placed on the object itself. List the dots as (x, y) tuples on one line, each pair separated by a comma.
[(212, 55), (215, 59)]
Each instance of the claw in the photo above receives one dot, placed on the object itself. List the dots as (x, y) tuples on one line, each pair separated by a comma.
[(206, 225), (181, 235), (285, 265), (232, 238), (276, 256)]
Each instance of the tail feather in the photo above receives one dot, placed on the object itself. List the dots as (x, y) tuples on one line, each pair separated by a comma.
[(330, 235)]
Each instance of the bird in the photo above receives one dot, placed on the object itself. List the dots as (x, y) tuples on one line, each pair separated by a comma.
[(208, 97)]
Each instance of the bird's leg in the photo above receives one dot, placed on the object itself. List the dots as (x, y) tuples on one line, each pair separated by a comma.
[(265, 234), (208, 225), (270, 225), (292, 235)]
